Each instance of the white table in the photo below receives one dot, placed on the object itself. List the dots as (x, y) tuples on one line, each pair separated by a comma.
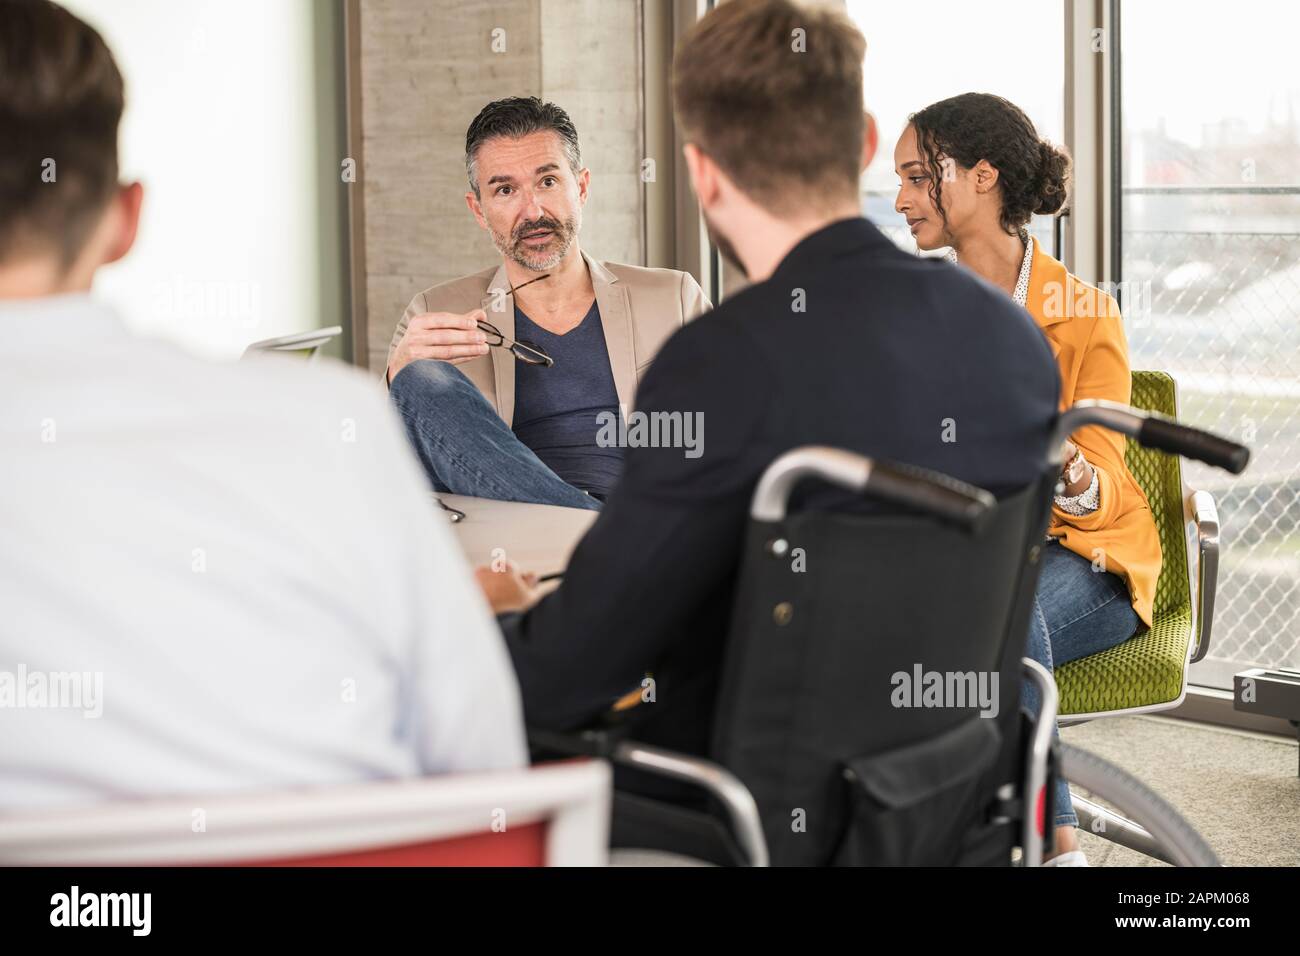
[(538, 538)]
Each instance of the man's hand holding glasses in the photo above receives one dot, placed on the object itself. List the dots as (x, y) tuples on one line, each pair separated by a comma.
[(458, 338), (441, 336)]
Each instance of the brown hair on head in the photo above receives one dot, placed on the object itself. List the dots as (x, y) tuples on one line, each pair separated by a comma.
[(61, 100), (772, 91)]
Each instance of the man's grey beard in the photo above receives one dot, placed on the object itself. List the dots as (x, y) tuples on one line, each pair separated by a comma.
[(512, 247)]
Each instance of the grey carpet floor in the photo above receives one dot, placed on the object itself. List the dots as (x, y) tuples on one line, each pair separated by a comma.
[(1239, 789)]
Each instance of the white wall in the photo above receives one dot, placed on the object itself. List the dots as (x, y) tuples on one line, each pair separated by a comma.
[(221, 127)]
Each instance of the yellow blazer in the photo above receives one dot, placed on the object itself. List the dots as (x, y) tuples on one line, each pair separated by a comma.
[(1084, 327)]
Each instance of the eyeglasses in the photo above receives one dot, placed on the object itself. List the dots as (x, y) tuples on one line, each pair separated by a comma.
[(527, 352), (455, 515)]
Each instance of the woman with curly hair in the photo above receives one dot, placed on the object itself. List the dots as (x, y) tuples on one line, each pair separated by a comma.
[(973, 171)]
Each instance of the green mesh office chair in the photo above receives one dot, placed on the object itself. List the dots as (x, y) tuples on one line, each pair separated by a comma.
[(1148, 672)]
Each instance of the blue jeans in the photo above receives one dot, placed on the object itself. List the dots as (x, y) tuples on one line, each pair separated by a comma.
[(1077, 611), (465, 446)]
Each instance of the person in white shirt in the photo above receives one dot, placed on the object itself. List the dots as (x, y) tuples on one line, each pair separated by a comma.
[(213, 577)]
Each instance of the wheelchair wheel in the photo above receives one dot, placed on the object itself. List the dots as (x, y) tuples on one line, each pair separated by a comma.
[(1174, 837)]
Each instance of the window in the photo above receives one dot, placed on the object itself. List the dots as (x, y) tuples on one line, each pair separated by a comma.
[(917, 55), (233, 125), (1210, 263)]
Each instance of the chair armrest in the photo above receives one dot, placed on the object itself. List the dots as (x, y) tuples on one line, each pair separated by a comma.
[(1205, 516)]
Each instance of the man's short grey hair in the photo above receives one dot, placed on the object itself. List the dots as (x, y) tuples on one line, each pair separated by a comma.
[(518, 116)]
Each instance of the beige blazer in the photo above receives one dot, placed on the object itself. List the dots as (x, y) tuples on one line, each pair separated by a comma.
[(639, 309)]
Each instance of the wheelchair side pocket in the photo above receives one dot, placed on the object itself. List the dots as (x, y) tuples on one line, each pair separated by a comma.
[(911, 806)]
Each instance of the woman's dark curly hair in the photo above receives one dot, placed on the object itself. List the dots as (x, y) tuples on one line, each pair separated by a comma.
[(1034, 175)]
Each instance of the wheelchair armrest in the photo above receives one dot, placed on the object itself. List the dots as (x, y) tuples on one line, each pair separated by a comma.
[(1205, 516), (590, 742), (718, 781), (598, 739), (609, 743)]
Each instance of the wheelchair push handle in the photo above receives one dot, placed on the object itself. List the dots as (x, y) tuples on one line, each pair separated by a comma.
[(918, 489), (930, 492), (1152, 431), (1167, 435)]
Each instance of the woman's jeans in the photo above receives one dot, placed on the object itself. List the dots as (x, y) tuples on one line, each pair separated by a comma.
[(464, 445), (1078, 610)]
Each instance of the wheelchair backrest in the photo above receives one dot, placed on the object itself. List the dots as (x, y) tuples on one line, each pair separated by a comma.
[(871, 685)]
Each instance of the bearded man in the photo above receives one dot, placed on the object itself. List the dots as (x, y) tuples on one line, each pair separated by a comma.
[(505, 377)]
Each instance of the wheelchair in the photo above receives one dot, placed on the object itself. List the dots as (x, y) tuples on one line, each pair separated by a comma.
[(868, 703)]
